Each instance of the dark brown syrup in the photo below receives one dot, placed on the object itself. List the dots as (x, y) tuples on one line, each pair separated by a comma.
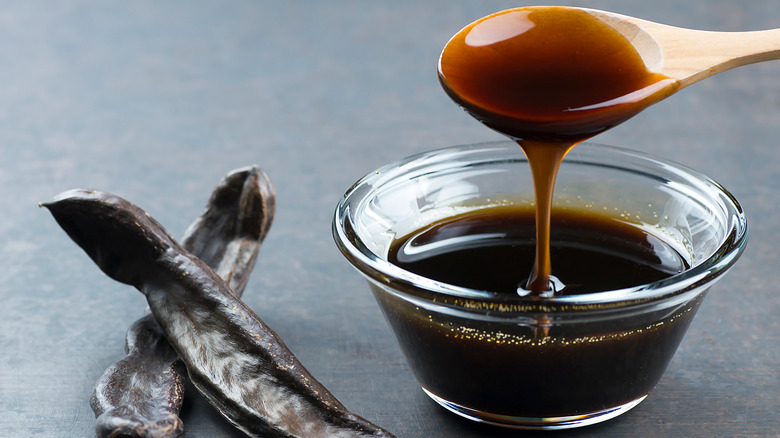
[(549, 78), (517, 370), (537, 367)]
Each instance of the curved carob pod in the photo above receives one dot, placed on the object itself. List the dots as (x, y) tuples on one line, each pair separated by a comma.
[(232, 357), (228, 234), (141, 395)]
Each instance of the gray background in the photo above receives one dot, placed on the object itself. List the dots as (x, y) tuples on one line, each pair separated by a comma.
[(156, 101)]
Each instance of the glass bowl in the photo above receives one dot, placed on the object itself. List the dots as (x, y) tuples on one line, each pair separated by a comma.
[(530, 362)]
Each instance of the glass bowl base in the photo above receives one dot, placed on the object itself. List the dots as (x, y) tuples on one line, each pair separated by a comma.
[(534, 423)]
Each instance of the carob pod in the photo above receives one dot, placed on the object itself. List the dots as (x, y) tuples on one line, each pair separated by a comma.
[(141, 395), (232, 357)]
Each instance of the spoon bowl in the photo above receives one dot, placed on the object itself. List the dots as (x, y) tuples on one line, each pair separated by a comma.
[(566, 74)]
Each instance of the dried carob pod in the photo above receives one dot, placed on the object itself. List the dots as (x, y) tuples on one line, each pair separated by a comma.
[(232, 357), (141, 395), (228, 234)]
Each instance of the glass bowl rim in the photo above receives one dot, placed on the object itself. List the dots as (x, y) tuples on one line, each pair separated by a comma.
[(376, 268)]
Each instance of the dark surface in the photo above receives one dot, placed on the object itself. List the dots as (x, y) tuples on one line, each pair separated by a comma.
[(156, 101)]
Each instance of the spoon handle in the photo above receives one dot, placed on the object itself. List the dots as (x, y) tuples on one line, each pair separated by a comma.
[(692, 55), (700, 54)]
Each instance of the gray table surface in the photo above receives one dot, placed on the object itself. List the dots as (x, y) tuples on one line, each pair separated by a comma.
[(155, 101)]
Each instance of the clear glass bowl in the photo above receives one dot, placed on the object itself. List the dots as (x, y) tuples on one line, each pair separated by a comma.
[(526, 362)]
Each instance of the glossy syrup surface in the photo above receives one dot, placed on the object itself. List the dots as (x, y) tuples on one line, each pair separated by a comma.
[(493, 250)]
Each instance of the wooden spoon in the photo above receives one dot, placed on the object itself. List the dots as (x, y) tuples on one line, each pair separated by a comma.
[(550, 77), (689, 55)]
